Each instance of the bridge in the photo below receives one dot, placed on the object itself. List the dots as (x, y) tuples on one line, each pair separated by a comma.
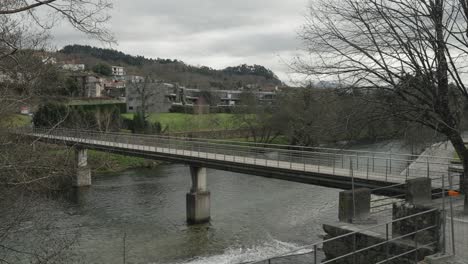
[(336, 168)]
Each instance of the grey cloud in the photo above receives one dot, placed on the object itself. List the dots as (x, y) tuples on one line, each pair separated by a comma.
[(216, 33)]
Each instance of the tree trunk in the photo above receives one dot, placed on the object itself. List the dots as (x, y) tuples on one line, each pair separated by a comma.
[(457, 142)]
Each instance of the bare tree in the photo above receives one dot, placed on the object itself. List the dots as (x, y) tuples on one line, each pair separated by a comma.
[(28, 169), (407, 50), (263, 125)]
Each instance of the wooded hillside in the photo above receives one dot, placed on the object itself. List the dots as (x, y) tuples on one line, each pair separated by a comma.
[(175, 70)]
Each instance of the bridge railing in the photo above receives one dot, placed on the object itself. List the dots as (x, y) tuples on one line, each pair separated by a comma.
[(357, 153), (362, 164)]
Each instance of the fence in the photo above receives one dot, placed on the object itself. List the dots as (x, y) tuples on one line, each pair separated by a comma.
[(388, 167), (453, 239)]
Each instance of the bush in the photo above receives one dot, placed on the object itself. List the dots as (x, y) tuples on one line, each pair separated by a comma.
[(103, 69), (184, 109), (188, 109), (102, 118), (50, 114), (140, 125)]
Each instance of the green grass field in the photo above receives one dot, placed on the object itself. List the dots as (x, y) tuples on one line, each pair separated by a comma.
[(15, 120), (178, 122)]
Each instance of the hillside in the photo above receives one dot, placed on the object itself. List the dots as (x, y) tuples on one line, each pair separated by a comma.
[(174, 70)]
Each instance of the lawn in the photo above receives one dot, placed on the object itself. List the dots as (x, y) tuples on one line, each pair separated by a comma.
[(15, 120), (177, 122)]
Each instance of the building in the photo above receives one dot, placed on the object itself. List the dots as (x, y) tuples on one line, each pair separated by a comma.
[(134, 79), (152, 94), (25, 110), (115, 88), (5, 78), (187, 96), (118, 71), (159, 97), (94, 86), (91, 86), (73, 67), (49, 60)]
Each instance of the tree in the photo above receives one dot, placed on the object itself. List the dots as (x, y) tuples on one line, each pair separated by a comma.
[(409, 50), (307, 115), (258, 119), (72, 87), (144, 92), (27, 171), (103, 69)]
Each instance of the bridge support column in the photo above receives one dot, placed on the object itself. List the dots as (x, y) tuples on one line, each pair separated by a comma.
[(419, 191), (198, 199), (82, 175), (354, 206)]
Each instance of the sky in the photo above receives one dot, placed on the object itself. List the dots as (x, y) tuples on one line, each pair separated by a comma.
[(214, 33)]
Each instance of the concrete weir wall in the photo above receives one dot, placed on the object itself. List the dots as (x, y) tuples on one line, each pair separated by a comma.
[(424, 221), (415, 230), (342, 246)]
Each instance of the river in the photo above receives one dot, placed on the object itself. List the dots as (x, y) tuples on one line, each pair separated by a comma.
[(142, 213)]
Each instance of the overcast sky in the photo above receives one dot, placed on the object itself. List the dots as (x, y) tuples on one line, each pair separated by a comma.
[(214, 33)]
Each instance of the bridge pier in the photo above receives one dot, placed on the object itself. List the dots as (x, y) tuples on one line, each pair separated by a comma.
[(82, 175), (198, 199), (354, 206)]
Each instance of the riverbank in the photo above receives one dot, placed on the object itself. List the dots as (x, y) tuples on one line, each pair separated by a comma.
[(103, 162)]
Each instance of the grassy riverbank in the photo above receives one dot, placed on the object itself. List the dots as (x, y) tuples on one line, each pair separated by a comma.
[(109, 162), (104, 162)]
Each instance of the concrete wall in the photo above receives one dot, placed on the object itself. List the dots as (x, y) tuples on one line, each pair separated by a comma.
[(342, 246), (424, 220)]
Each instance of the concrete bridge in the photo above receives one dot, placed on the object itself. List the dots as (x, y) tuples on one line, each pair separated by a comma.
[(383, 172)]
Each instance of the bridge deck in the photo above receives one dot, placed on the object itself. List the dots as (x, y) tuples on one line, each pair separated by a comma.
[(293, 170)]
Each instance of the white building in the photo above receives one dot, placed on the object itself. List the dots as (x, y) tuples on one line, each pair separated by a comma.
[(73, 67), (134, 79), (118, 71)]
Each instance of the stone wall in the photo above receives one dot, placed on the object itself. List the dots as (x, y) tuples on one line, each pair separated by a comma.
[(418, 222)]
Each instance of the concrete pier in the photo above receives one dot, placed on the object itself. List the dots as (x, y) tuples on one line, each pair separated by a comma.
[(354, 206), (198, 199), (82, 175), (419, 191)]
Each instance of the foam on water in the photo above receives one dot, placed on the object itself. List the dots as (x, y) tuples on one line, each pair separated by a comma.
[(243, 255)]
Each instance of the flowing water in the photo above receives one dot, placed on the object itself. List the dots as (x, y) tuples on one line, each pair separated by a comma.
[(139, 216)]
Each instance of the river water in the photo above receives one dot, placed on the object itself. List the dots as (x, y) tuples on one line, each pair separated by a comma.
[(142, 213)]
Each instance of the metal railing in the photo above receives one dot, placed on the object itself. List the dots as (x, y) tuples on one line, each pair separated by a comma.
[(452, 238), (315, 254), (388, 167)]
